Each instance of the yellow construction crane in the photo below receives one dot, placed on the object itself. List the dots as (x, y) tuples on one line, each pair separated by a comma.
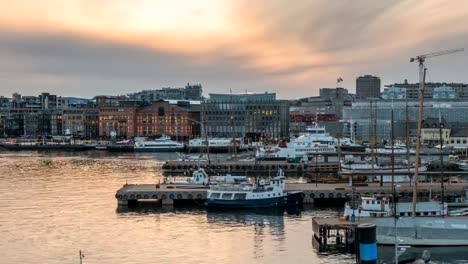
[(422, 78)]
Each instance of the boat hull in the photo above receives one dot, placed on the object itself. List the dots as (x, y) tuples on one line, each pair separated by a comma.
[(251, 203), (47, 147), (159, 149)]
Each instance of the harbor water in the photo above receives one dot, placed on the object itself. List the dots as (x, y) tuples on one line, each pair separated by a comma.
[(55, 204)]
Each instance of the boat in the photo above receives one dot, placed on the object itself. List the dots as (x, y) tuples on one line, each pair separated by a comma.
[(185, 157), (397, 149), (257, 195), (315, 141), (423, 231), (385, 171), (162, 144), (216, 145), (200, 177), (380, 206), (48, 146), (121, 146)]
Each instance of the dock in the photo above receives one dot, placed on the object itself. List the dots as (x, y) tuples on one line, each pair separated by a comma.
[(174, 194), (248, 168), (332, 233)]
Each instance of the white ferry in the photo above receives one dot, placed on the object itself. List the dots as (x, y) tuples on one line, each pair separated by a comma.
[(313, 142), (163, 144), (380, 206), (216, 145), (258, 195)]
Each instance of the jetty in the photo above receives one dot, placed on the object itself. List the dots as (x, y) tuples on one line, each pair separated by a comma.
[(314, 193)]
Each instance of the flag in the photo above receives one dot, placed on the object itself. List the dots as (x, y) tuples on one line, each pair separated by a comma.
[(339, 79)]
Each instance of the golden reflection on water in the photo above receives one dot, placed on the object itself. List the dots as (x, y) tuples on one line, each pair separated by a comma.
[(53, 205)]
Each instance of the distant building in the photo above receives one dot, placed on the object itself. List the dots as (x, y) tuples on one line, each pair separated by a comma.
[(433, 90), (394, 93), (180, 121), (368, 86), (257, 117), (430, 131), (81, 121), (189, 92)]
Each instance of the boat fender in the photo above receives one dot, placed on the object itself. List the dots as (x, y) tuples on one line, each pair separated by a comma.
[(330, 195), (155, 196), (138, 196), (179, 196), (302, 195), (243, 167), (199, 196), (322, 195), (171, 195), (145, 196), (132, 197), (185, 167), (125, 197), (312, 195), (179, 167), (338, 195), (173, 167), (120, 197), (299, 169), (116, 196), (190, 196)]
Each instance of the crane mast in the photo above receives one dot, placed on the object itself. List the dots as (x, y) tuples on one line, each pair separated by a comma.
[(422, 77)]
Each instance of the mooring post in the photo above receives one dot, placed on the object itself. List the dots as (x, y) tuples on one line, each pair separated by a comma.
[(366, 252)]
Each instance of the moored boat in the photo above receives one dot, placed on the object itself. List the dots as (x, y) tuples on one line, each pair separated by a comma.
[(162, 144), (257, 195)]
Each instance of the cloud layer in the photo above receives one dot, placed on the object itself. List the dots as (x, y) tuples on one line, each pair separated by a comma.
[(84, 48)]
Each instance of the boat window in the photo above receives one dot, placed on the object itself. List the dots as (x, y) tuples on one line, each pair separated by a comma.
[(402, 214), (418, 213), (268, 195), (433, 213), (274, 194), (373, 202), (426, 213), (227, 196), (214, 195), (240, 196), (367, 202)]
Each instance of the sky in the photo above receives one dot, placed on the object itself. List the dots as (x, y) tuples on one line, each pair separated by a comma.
[(85, 48)]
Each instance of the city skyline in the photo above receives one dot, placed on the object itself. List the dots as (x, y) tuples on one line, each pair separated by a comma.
[(82, 48)]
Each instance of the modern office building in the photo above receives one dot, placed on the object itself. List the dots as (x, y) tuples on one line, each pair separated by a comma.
[(431, 90), (367, 86), (189, 92), (258, 117)]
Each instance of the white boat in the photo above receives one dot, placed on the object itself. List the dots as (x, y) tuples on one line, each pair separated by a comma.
[(257, 195), (163, 144), (397, 149), (186, 157), (381, 206), (216, 144), (314, 141), (385, 171), (200, 177)]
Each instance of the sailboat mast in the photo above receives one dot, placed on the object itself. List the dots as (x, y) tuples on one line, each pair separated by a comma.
[(407, 139), (422, 78), (234, 143), (393, 148)]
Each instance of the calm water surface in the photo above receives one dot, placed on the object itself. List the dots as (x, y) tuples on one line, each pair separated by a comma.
[(53, 205)]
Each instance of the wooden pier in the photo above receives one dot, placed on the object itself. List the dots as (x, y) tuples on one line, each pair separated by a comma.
[(173, 194), (332, 233), (248, 168)]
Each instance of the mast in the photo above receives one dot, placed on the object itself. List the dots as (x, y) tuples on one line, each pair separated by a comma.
[(393, 148), (233, 132), (407, 140), (372, 138), (422, 78)]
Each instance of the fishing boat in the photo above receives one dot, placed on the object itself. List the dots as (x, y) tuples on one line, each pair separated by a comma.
[(257, 195), (162, 144), (380, 206)]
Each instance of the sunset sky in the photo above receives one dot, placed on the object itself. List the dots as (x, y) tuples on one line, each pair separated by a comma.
[(85, 47)]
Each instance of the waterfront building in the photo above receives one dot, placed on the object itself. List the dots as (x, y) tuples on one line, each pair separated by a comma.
[(120, 119), (181, 120), (393, 93), (430, 131), (81, 122), (256, 117), (189, 92), (367, 86), (358, 122)]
